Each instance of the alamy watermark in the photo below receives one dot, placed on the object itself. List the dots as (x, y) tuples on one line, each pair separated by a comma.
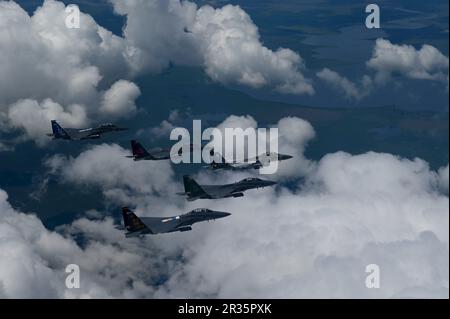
[(232, 145), (73, 277), (373, 279), (72, 16), (373, 19)]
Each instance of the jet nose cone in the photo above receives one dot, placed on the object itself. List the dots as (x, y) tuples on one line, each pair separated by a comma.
[(283, 157), (221, 214), (270, 183)]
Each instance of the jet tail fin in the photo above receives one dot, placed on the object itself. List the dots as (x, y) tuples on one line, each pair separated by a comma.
[(131, 222), (138, 150), (191, 187), (58, 131)]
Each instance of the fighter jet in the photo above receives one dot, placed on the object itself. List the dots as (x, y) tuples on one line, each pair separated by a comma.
[(141, 154), (252, 163), (156, 154), (194, 191), (139, 226), (82, 134)]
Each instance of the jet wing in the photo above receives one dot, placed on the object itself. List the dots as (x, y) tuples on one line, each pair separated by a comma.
[(245, 166), (71, 132), (220, 191), (160, 154), (158, 225), (76, 134)]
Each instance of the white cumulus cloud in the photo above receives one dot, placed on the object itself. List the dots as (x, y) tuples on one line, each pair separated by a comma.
[(388, 60), (426, 63), (350, 89), (225, 41), (119, 100)]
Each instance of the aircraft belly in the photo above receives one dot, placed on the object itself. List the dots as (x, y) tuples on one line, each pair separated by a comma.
[(160, 157), (160, 225), (219, 192), (79, 135), (73, 133), (242, 165)]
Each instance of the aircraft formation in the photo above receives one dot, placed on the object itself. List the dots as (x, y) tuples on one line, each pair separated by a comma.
[(139, 226)]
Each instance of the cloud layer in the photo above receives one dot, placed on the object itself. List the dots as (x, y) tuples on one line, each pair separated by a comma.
[(347, 212)]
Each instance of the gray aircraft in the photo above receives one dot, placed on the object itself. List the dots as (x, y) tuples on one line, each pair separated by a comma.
[(252, 163), (82, 134), (141, 154), (156, 154), (194, 191), (139, 226)]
